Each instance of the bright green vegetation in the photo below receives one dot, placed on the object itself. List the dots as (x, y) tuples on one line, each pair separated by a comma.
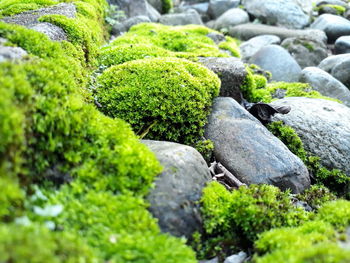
[(339, 9), (167, 5), (12, 7), (181, 41), (316, 196), (236, 218), (334, 179), (50, 135), (162, 98)]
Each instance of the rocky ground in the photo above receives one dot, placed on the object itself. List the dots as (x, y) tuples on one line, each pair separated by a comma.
[(241, 92)]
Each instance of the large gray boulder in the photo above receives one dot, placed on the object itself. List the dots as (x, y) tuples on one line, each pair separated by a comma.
[(174, 200), (253, 45), (306, 52), (342, 45), (326, 84), (231, 72), (30, 19), (285, 13), (230, 18), (324, 128), (279, 62), (334, 26), (247, 31), (218, 7), (133, 8), (338, 66), (249, 151), (191, 16)]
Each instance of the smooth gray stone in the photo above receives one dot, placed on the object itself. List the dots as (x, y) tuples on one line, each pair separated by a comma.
[(305, 51), (330, 62), (133, 8), (54, 32), (189, 17), (323, 127), (124, 26), (231, 72), (341, 72), (285, 13), (230, 18), (332, 2), (11, 53), (253, 45), (342, 45), (334, 26), (279, 62), (250, 30), (174, 200), (237, 258), (249, 151), (326, 84), (218, 7)]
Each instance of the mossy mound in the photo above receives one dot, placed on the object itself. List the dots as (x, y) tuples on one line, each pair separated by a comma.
[(165, 98), (184, 41)]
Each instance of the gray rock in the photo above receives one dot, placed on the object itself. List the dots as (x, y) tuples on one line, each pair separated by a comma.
[(253, 45), (323, 127), (231, 72), (329, 63), (133, 8), (189, 17), (157, 4), (230, 18), (326, 84), (216, 37), (341, 72), (237, 258), (201, 8), (152, 13), (342, 45), (124, 26), (30, 18), (305, 51), (285, 13), (334, 26), (248, 31), (218, 7), (54, 32), (174, 200), (213, 260), (279, 62), (10, 53), (326, 9), (332, 2), (249, 151)]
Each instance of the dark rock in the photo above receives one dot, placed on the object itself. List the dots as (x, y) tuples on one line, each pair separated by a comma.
[(342, 45), (334, 26), (125, 25), (231, 72), (279, 62), (247, 31), (174, 200), (189, 17), (253, 45), (230, 18), (285, 13), (250, 152), (305, 51), (218, 7), (326, 84), (323, 127)]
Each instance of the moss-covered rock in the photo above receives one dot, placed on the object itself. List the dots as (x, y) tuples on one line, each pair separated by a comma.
[(163, 98)]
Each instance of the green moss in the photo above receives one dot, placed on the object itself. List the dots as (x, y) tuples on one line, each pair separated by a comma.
[(11, 198), (313, 242), (171, 107), (206, 149), (336, 213), (316, 196), (167, 5), (186, 41), (37, 244), (231, 45), (339, 9), (12, 7), (243, 212)]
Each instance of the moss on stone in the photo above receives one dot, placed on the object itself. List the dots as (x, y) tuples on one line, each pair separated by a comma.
[(316, 196), (168, 98), (167, 5), (13, 7), (339, 9), (231, 45)]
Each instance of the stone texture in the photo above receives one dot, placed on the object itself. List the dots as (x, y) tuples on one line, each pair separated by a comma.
[(253, 45), (231, 72), (279, 62), (338, 66), (247, 31), (178, 188), (326, 84), (342, 45), (133, 8), (230, 18), (54, 32), (237, 258), (334, 26), (216, 37), (248, 150), (285, 13), (189, 17), (124, 26), (330, 62), (10, 53), (305, 51), (332, 2), (324, 128), (218, 7)]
